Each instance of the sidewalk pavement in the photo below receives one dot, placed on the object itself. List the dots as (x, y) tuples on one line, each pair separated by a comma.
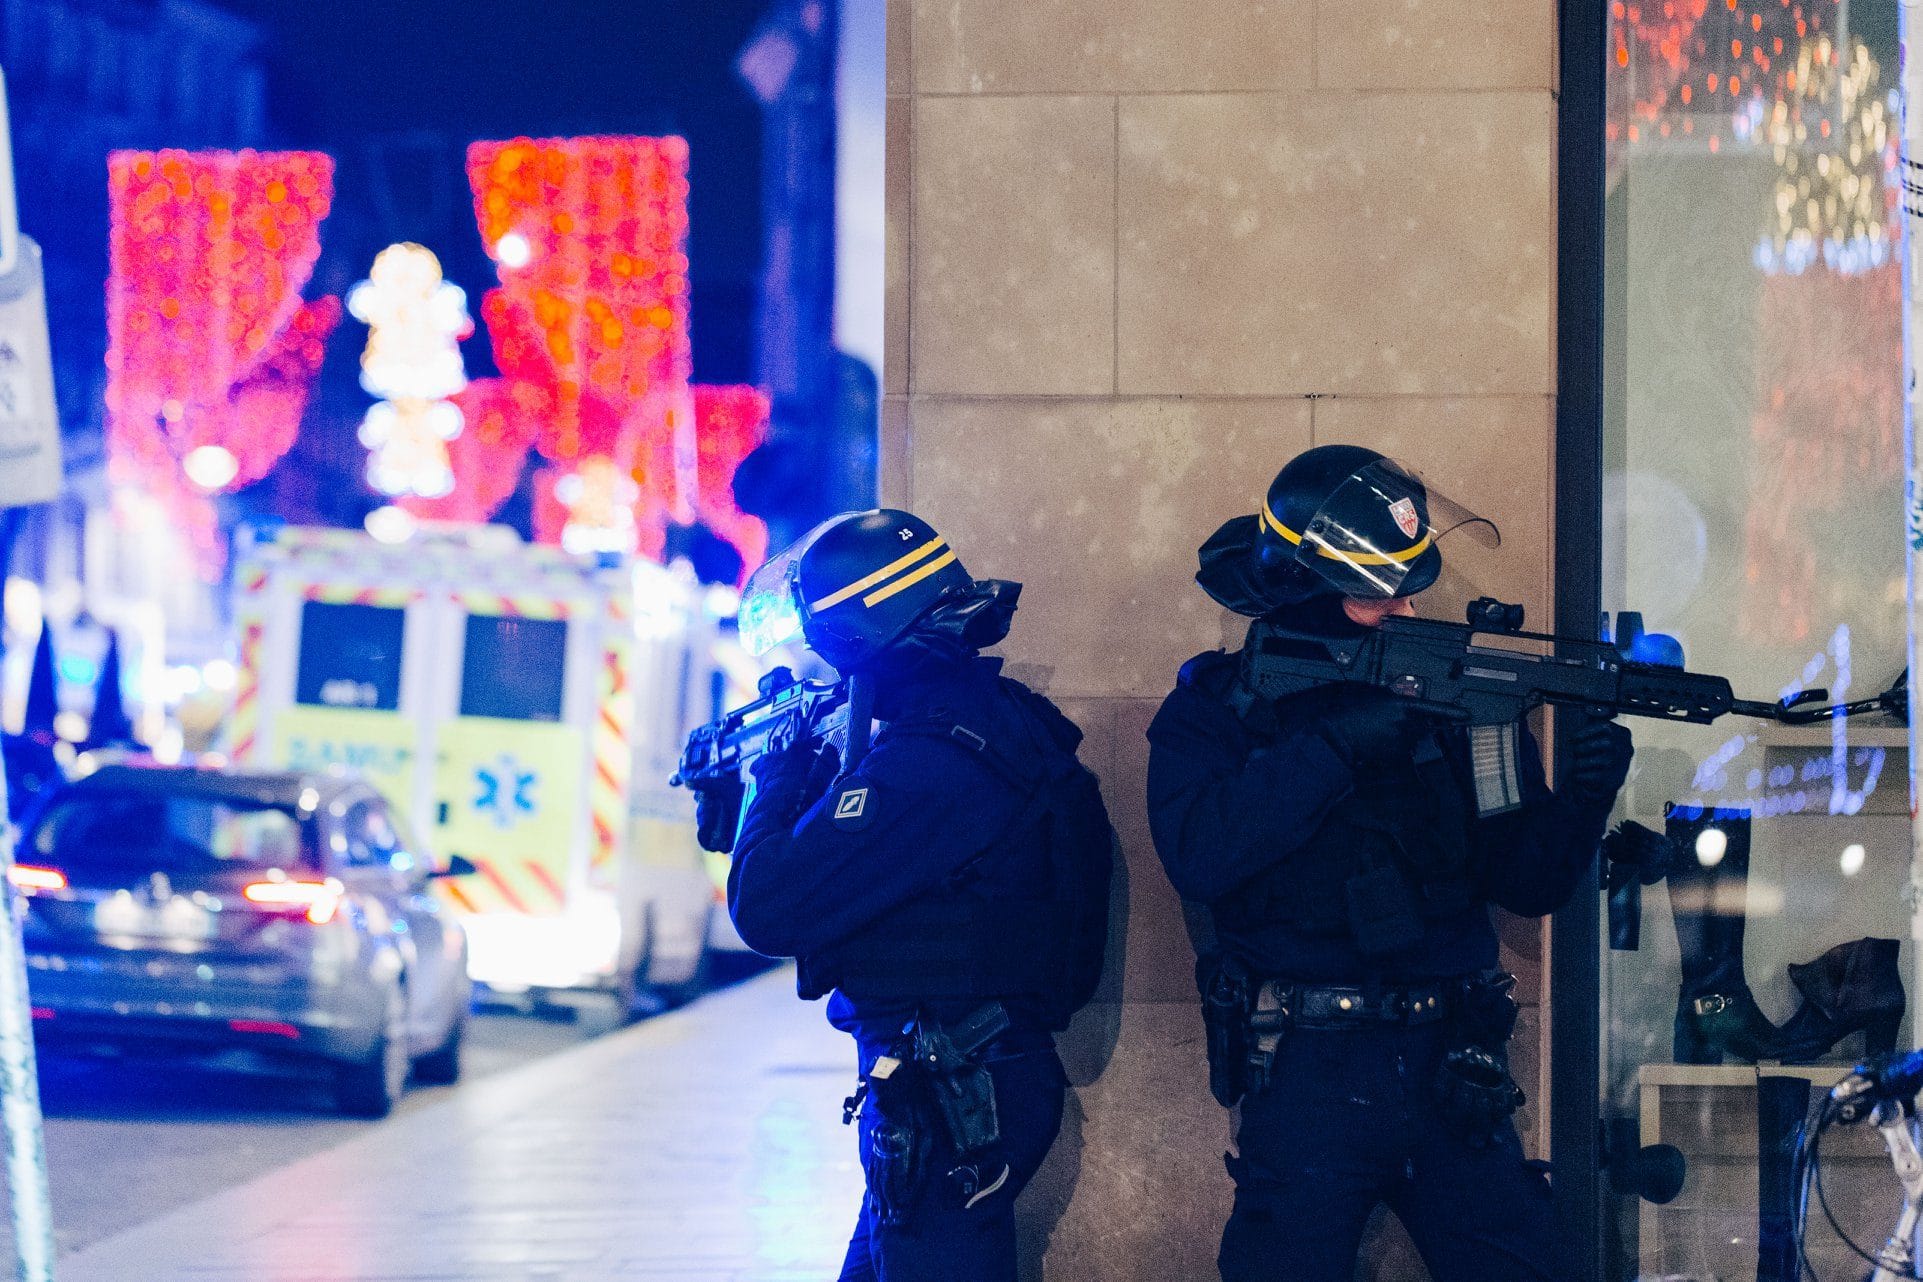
[(704, 1145)]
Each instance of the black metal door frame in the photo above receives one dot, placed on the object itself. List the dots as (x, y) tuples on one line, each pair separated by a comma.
[(1575, 979)]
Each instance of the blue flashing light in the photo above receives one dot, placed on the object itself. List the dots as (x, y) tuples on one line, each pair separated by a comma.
[(78, 669)]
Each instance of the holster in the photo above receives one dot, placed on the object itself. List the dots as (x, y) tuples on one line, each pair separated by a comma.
[(897, 1159), (1474, 1092), (1487, 1010), (931, 1084), (961, 1087), (1225, 1025), (1244, 1022)]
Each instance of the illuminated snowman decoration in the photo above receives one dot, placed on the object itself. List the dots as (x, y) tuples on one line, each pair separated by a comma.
[(415, 321), (600, 500)]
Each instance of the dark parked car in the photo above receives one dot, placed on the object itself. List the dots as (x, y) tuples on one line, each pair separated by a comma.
[(179, 909)]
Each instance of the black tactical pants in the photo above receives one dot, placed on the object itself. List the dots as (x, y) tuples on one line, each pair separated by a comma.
[(949, 1240), (1348, 1122)]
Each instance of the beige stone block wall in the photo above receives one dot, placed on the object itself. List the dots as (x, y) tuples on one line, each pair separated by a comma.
[(1140, 254)]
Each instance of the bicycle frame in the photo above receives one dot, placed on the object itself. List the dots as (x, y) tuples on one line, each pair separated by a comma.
[(1896, 1262)]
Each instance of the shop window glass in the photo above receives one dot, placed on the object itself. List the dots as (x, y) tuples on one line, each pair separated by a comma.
[(1753, 510)]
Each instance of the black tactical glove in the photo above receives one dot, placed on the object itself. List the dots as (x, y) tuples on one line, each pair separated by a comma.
[(791, 779), (1599, 757), (717, 812), (1636, 853), (1367, 727), (787, 782)]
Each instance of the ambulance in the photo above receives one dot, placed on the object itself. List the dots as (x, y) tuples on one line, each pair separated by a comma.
[(524, 706)]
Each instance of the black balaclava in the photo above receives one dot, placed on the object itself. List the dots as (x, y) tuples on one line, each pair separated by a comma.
[(955, 629), (1236, 580)]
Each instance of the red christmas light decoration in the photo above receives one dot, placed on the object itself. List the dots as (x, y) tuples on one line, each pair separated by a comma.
[(1714, 68), (209, 346), (729, 421), (589, 236)]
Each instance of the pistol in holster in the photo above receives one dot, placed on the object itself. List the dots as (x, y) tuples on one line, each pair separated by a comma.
[(961, 1086), (931, 1086), (1244, 1021)]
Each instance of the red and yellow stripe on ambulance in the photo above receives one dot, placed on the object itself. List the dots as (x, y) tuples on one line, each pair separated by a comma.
[(511, 790), (250, 622), (613, 745)]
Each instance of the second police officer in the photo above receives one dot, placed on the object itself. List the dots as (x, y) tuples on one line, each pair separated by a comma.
[(1350, 856), (950, 888)]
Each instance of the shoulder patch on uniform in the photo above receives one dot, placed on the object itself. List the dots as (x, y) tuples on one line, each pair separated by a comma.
[(851, 807)]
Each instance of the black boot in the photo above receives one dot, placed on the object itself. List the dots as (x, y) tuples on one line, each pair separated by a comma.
[(1708, 884), (1852, 986), (1781, 1103)]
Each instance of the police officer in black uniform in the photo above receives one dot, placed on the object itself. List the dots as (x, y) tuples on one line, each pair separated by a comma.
[(949, 888), (1349, 853)]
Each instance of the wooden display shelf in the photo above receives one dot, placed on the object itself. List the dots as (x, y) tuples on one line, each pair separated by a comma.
[(1862, 732), (1653, 1079), (1660, 1075)]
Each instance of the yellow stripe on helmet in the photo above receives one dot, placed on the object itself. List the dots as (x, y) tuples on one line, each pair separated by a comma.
[(1353, 558), (867, 581), (1268, 519), (908, 581)]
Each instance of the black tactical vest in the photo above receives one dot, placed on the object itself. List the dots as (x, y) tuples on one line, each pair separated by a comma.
[(972, 940), (1406, 830)]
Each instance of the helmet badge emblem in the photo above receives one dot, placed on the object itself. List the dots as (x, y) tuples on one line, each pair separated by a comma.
[(1404, 512)]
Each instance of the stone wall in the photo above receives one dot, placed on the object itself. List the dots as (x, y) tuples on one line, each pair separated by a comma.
[(1140, 253)]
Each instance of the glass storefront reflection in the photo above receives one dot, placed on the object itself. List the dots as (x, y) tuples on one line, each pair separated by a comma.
[(1754, 510)]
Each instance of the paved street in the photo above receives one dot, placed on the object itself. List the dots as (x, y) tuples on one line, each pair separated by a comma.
[(130, 1140), (627, 1156)]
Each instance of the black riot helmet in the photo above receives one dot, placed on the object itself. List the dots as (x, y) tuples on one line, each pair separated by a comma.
[(864, 583), (1338, 520)]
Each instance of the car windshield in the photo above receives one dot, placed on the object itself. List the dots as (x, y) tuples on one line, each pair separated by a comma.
[(180, 834)]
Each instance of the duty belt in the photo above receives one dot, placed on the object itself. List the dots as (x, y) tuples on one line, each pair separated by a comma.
[(1321, 1006)]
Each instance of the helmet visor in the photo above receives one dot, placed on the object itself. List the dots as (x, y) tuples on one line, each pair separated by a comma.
[(770, 605), (1379, 528)]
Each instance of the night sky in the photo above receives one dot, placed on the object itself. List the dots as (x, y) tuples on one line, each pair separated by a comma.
[(396, 90)]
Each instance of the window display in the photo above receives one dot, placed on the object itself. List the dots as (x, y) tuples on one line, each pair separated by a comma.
[(1758, 925)]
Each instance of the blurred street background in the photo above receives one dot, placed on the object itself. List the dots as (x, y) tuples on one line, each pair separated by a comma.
[(395, 399)]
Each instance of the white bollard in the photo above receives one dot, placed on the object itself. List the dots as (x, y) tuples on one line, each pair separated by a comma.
[(20, 1084)]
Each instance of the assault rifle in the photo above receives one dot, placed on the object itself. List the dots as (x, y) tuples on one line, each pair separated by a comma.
[(789, 711), (1455, 678)]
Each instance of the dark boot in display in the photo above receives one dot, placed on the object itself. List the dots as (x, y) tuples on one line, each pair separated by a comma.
[(1853, 987), (1716, 1015), (1781, 1103)]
